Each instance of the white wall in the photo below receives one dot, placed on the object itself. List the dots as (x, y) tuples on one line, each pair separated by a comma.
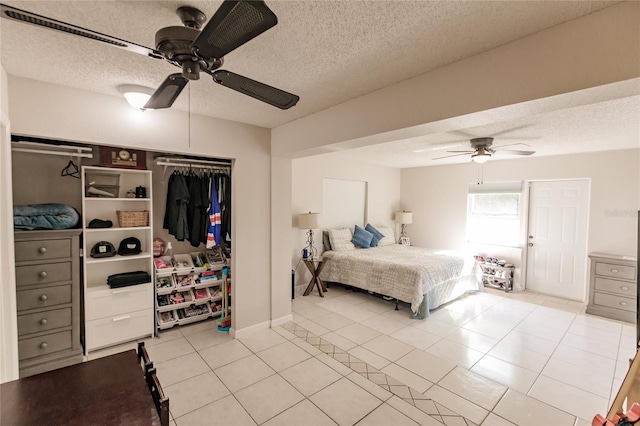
[(438, 196), (383, 197), (50, 111)]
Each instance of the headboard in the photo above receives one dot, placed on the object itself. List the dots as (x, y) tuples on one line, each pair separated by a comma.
[(344, 203)]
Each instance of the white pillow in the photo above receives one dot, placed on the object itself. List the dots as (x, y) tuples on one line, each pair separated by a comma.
[(388, 238), (341, 239)]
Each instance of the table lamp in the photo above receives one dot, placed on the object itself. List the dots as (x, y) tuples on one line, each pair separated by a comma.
[(404, 218), (309, 221)]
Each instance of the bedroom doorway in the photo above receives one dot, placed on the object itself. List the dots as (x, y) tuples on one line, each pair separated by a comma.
[(557, 238)]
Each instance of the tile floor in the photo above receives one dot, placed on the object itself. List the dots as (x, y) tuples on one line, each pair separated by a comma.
[(488, 359)]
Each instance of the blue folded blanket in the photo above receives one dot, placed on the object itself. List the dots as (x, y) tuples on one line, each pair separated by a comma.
[(45, 216)]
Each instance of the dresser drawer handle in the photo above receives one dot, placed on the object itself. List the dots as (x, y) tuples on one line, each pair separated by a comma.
[(624, 287), (614, 271), (43, 274), (126, 290), (126, 317), (43, 297), (44, 345), (42, 250), (623, 303), (43, 321)]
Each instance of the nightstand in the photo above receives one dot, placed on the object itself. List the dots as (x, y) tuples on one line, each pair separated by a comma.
[(315, 265)]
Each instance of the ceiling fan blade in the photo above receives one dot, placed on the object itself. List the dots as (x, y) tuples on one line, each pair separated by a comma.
[(167, 93), (233, 24), (255, 89), (502, 147), (514, 152), (466, 151), (454, 155), (44, 22), (512, 129)]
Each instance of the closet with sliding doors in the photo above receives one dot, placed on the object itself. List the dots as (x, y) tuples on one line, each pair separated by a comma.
[(110, 251)]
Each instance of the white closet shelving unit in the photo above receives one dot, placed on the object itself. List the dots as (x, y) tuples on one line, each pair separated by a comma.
[(113, 316)]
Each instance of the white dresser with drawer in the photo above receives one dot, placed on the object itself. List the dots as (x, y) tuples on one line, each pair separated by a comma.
[(48, 299), (612, 286)]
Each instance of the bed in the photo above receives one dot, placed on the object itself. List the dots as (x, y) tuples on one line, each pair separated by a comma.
[(424, 278)]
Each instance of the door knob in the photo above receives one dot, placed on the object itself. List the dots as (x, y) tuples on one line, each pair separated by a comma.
[(531, 237), (530, 244)]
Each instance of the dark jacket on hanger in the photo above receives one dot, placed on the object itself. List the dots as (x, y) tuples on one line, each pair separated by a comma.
[(175, 217)]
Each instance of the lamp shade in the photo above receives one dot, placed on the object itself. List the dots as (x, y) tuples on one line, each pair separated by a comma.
[(404, 218), (309, 220)]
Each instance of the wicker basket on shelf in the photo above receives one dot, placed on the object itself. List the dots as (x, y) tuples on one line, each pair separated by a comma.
[(133, 219)]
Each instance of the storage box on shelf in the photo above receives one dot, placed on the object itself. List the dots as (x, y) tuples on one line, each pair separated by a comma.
[(496, 273), (116, 315), (188, 287)]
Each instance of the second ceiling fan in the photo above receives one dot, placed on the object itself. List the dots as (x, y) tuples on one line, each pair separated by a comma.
[(191, 49), (483, 149)]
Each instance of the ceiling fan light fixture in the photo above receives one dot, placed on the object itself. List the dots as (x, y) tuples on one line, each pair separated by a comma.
[(480, 157), (136, 96)]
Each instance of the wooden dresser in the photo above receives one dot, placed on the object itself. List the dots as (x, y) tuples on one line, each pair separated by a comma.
[(48, 299), (612, 286)]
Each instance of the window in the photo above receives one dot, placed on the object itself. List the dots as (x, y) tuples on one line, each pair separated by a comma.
[(493, 213)]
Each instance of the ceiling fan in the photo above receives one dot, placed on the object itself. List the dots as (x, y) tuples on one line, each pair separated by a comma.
[(482, 150), (191, 49)]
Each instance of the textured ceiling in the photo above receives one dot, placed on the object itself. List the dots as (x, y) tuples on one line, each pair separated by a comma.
[(327, 52), (602, 126)]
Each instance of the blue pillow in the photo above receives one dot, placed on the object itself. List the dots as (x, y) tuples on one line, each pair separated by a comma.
[(361, 238), (377, 235)]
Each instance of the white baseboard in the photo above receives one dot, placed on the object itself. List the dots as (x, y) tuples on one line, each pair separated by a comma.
[(261, 326), (282, 320), (248, 330)]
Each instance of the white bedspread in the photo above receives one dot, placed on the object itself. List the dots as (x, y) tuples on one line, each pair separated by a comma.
[(403, 272)]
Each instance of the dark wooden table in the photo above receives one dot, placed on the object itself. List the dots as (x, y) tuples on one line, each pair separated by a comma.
[(315, 275), (105, 391)]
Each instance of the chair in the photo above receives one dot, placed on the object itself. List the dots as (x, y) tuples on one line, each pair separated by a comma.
[(143, 358), (160, 400)]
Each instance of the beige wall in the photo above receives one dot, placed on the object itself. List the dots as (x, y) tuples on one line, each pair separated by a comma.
[(45, 110), (46, 186), (383, 197), (8, 319), (438, 196)]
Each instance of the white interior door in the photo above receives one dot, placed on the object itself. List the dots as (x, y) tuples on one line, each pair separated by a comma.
[(557, 238)]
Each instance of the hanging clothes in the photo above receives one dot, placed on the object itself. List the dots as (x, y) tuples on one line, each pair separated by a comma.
[(198, 209), (224, 185), (213, 233), (175, 220)]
